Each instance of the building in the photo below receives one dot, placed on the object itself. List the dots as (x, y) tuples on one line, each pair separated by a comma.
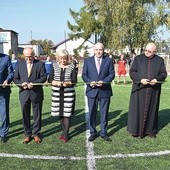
[(8, 41), (38, 49), (72, 45)]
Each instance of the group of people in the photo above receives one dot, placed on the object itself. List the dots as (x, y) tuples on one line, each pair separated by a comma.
[(29, 75), (147, 72)]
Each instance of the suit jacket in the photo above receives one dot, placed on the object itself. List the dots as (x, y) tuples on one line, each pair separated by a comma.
[(38, 75), (107, 74), (6, 73)]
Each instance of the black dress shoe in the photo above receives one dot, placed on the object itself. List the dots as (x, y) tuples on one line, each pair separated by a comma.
[(4, 139), (91, 138), (106, 138)]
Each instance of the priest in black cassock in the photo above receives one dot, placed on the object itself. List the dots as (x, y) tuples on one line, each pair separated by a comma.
[(147, 73)]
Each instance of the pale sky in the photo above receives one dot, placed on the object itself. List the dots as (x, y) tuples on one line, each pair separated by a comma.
[(39, 19)]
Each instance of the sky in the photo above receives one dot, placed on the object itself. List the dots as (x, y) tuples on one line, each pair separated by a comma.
[(38, 19)]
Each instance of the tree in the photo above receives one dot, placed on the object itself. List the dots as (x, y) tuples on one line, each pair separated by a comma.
[(86, 24), (120, 23), (10, 52), (46, 44)]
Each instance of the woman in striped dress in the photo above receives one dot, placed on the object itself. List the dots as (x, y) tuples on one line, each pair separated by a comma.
[(63, 78)]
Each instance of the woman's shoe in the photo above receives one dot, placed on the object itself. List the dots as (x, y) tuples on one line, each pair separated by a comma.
[(61, 137), (65, 140)]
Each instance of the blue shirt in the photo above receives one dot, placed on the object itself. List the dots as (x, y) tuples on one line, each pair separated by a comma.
[(14, 63), (48, 66)]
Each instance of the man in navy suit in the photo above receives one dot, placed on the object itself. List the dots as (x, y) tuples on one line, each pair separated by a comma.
[(98, 72), (6, 76), (28, 73)]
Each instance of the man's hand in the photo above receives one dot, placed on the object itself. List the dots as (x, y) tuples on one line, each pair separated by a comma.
[(24, 85), (30, 85), (153, 82), (5, 83), (145, 81), (93, 84), (99, 83)]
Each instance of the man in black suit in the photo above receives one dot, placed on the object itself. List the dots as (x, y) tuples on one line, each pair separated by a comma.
[(28, 74)]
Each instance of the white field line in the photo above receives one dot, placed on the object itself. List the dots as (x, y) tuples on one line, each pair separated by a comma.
[(7, 155), (91, 163), (149, 154), (160, 153)]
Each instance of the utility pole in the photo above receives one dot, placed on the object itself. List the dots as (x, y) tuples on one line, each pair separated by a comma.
[(65, 40)]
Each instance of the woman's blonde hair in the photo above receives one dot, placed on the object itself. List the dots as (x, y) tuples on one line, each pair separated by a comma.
[(63, 53)]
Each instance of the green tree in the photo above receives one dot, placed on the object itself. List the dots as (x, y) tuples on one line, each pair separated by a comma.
[(46, 44), (120, 23), (86, 24), (10, 52)]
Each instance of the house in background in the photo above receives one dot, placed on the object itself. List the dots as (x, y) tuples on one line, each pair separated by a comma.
[(8, 41), (38, 49), (72, 45)]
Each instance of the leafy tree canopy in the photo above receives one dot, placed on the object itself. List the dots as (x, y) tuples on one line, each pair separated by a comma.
[(120, 23)]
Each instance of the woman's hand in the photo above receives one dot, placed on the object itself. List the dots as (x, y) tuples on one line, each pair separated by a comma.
[(67, 84), (57, 83)]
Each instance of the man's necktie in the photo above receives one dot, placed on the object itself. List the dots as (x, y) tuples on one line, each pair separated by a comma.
[(29, 67), (98, 65)]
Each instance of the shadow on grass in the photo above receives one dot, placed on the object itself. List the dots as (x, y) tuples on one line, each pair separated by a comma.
[(51, 125), (121, 122), (15, 132), (77, 123), (163, 118), (117, 123)]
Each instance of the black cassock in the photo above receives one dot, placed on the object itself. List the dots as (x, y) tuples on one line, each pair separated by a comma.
[(144, 99)]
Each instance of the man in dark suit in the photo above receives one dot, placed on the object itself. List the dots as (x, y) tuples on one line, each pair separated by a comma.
[(28, 74), (98, 72)]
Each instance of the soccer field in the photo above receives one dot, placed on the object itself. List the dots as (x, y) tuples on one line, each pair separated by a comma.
[(123, 153)]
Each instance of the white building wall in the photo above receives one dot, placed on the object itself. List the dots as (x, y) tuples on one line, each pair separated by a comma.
[(37, 48), (5, 39), (74, 44)]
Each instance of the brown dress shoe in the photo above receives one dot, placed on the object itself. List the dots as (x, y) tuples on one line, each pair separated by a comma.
[(27, 139), (37, 139)]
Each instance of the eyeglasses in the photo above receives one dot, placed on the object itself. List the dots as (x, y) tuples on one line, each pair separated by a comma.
[(148, 51), (28, 56)]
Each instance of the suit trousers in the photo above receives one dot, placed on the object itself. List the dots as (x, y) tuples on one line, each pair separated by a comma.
[(104, 107), (4, 114), (26, 114)]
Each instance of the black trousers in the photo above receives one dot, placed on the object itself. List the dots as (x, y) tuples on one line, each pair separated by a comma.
[(26, 117)]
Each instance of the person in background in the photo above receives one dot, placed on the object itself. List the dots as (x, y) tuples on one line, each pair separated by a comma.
[(14, 61), (114, 62), (6, 77), (76, 63), (121, 68), (147, 72), (63, 77), (131, 59), (29, 72), (48, 66), (98, 73)]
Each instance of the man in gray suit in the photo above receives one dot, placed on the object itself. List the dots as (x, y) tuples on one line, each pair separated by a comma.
[(27, 73), (98, 72)]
